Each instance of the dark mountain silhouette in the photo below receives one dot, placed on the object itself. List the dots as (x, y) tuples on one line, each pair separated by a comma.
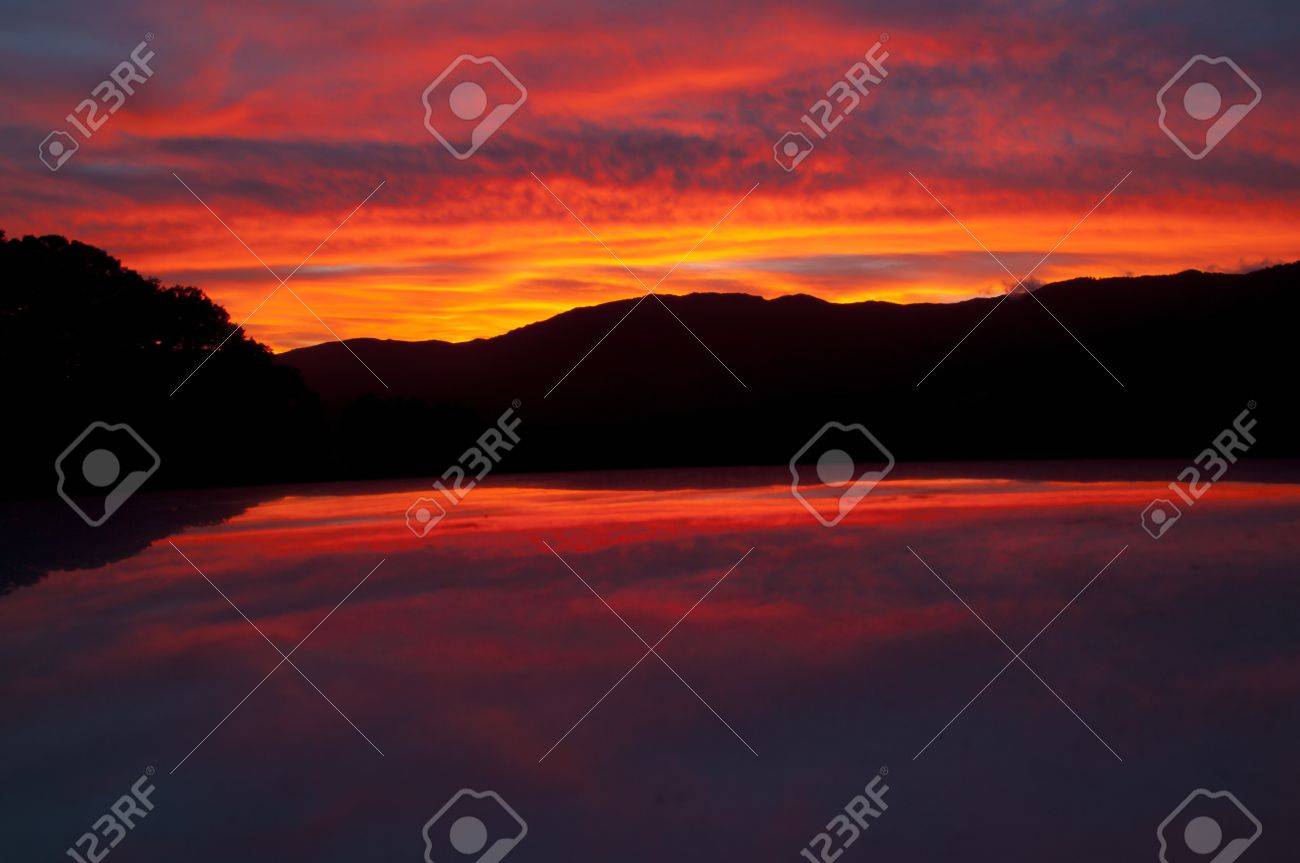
[(84, 339), (1189, 352)]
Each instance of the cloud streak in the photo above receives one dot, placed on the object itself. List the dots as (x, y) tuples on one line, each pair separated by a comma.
[(649, 122)]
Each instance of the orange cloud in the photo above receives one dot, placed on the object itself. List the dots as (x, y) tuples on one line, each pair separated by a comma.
[(649, 125)]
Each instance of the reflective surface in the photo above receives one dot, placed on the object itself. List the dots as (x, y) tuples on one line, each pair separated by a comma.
[(469, 653)]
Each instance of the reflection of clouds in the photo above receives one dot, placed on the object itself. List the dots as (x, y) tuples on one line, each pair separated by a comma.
[(832, 651)]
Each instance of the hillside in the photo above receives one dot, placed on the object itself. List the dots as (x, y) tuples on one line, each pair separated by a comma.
[(1189, 350)]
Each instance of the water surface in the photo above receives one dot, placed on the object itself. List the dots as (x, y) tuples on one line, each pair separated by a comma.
[(468, 654)]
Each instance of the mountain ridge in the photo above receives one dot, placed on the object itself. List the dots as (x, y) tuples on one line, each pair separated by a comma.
[(1015, 376), (810, 299), (1122, 367)]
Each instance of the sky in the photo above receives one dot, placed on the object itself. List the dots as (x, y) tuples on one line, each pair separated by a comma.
[(644, 124)]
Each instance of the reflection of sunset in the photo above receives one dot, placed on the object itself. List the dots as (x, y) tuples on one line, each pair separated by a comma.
[(653, 550), (1100, 633), (468, 653), (510, 512)]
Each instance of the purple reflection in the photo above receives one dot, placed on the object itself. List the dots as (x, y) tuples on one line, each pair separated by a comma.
[(470, 652)]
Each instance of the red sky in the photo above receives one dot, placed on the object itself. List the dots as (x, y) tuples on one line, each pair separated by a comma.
[(649, 121)]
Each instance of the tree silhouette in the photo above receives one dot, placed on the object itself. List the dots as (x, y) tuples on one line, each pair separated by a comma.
[(83, 338)]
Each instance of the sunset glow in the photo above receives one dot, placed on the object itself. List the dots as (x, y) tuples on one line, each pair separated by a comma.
[(650, 123)]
